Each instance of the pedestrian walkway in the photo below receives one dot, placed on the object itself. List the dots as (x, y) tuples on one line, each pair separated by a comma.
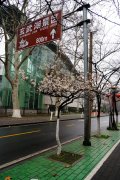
[(31, 119), (41, 167)]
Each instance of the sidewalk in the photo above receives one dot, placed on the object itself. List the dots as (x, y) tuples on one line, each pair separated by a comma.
[(9, 121), (41, 167), (31, 119)]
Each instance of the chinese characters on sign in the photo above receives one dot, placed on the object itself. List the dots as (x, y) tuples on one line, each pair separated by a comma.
[(41, 31)]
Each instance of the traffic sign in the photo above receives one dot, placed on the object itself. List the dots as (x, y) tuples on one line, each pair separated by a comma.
[(43, 30)]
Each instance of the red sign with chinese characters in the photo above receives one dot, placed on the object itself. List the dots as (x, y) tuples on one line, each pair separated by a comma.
[(43, 30)]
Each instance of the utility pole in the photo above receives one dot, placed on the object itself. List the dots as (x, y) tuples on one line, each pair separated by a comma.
[(90, 70), (90, 54), (87, 118)]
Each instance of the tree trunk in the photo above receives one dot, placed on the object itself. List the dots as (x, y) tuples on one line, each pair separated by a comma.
[(56, 111), (51, 115), (117, 120), (98, 115), (15, 84), (114, 109), (110, 113), (110, 120), (98, 125), (57, 104), (59, 148), (116, 112), (15, 100)]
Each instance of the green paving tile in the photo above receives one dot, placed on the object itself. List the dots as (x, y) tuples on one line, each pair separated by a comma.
[(63, 177), (72, 177), (44, 168), (80, 176)]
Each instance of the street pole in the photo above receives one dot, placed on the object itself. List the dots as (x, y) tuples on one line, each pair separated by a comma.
[(90, 69), (90, 76), (90, 54), (87, 118)]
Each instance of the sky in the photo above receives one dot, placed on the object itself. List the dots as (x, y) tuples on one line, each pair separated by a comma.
[(109, 29)]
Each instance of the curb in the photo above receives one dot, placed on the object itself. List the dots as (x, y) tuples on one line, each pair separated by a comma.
[(42, 121), (25, 158), (32, 123)]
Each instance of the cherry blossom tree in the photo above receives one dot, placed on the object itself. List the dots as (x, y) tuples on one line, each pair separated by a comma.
[(64, 86)]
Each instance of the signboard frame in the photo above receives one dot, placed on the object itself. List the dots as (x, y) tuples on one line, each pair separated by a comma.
[(41, 31)]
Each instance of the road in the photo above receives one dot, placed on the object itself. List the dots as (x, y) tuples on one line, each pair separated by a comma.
[(19, 141)]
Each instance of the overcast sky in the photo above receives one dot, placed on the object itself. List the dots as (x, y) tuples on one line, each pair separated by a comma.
[(110, 29)]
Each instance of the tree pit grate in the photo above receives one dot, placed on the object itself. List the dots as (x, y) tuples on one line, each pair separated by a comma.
[(68, 158)]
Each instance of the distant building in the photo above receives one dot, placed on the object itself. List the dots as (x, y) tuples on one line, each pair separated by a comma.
[(34, 68)]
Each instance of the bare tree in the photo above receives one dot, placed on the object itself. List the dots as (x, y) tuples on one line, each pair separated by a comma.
[(12, 16), (102, 73)]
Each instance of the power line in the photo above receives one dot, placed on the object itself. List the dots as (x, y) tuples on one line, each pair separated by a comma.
[(104, 18)]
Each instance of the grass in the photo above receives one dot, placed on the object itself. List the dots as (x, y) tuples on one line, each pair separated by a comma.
[(104, 136), (66, 157), (112, 128)]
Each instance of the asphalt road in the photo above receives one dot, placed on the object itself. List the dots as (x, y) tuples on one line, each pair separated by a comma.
[(19, 141)]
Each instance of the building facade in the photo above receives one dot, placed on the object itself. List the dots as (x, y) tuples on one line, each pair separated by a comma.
[(34, 66)]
